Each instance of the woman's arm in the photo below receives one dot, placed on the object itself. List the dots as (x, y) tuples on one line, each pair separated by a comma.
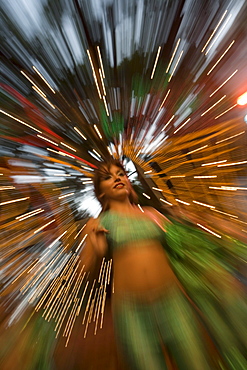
[(95, 242)]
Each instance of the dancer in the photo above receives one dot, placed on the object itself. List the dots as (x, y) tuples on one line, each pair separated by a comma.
[(153, 318)]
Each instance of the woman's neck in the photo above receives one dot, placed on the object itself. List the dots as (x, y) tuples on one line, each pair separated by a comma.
[(121, 206)]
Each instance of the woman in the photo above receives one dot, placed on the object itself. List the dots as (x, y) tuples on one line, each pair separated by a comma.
[(152, 316)]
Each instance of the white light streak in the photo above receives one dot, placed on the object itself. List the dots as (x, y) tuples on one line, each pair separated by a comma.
[(67, 146), (230, 137), (18, 120), (6, 187), (174, 69), (203, 204), (205, 177), (196, 150), (167, 123), (13, 201), (224, 213), (97, 130), (102, 82), (47, 83), (182, 125), (66, 195), (157, 189), (147, 196), (218, 101), (220, 57), (213, 42), (210, 231), (226, 111), (101, 63), (212, 163), (79, 132), (106, 108), (165, 201), (224, 83), (96, 153), (44, 138), (29, 214), (204, 47), (232, 164), (156, 60), (181, 201), (42, 227), (140, 208), (172, 57), (168, 92)]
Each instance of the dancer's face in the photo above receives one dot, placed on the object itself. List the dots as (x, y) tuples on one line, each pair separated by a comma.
[(114, 184)]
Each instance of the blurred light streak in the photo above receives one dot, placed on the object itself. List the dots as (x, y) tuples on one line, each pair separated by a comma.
[(42, 227), (203, 204), (44, 138), (79, 132), (13, 201), (6, 187), (196, 150), (181, 201), (224, 213), (232, 164), (219, 33), (109, 150), (96, 153), (87, 182), (167, 123), (29, 214), (218, 101), (230, 137), (173, 54), (212, 34), (156, 189), (242, 100), (165, 201), (149, 171), (223, 188), (18, 120), (97, 130), (47, 83), (147, 196), (210, 231), (54, 242), (74, 150), (174, 69), (182, 126), (164, 101), (81, 242), (223, 83), (205, 177), (220, 57), (106, 108), (102, 82), (66, 195), (32, 82), (101, 63), (155, 63), (139, 206), (176, 176), (213, 163), (40, 92), (83, 227)]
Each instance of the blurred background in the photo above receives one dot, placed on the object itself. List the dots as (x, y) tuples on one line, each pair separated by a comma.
[(159, 84)]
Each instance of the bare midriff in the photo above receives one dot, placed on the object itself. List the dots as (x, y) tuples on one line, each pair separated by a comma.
[(142, 267)]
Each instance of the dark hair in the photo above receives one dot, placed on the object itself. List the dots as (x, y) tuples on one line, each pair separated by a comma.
[(102, 170)]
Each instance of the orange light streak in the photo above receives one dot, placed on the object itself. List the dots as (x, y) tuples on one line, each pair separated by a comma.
[(65, 196), (196, 150), (205, 177), (97, 130)]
